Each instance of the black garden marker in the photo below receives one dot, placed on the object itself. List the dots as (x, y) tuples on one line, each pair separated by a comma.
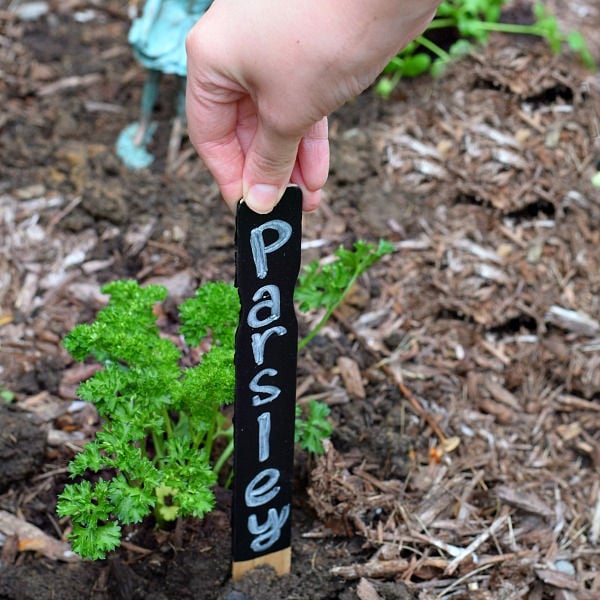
[(267, 265)]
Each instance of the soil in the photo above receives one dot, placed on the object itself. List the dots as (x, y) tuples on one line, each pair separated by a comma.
[(463, 371)]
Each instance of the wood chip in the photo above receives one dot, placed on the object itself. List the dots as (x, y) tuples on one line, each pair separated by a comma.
[(573, 320), (595, 529), (557, 579), (525, 501), (24, 302), (383, 568), (503, 414), (578, 403), (501, 394), (33, 539), (45, 406), (69, 83), (366, 590), (352, 377)]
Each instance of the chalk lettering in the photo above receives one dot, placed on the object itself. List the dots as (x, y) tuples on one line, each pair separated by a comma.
[(272, 303), (257, 495), (268, 533), (272, 391), (264, 430), (260, 339), (257, 243)]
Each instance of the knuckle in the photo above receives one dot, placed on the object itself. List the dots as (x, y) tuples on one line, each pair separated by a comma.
[(277, 162)]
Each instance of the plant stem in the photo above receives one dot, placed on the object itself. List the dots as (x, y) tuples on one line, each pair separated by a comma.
[(433, 47), (158, 446), (512, 28), (207, 443), (224, 456), (442, 23), (305, 340), (168, 424)]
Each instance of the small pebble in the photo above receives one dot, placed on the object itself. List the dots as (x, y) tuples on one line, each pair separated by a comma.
[(30, 11), (76, 406), (564, 566)]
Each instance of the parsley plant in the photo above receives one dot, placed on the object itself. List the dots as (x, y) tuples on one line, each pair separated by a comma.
[(160, 420)]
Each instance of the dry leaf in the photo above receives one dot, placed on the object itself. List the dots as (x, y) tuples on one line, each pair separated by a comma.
[(33, 539)]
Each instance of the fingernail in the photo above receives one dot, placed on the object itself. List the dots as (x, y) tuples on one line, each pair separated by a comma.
[(262, 198)]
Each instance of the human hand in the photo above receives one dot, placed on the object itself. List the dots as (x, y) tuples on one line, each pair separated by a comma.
[(264, 74)]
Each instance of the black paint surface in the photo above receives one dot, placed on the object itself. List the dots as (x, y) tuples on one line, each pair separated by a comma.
[(266, 524)]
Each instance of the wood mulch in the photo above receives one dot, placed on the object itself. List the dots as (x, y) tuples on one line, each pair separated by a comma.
[(463, 372), (489, 313)]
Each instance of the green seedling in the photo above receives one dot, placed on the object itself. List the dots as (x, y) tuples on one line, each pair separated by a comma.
[(473, 21), (6, 395), (314, 428), (164, 438), (324, 286)]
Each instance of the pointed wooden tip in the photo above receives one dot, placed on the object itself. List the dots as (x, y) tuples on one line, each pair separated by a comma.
[(281, 561)]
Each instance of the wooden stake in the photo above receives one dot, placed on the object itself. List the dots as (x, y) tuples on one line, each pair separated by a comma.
[(281, 561), (267, 265)]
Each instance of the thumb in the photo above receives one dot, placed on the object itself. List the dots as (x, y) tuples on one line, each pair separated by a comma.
[(268, 168)]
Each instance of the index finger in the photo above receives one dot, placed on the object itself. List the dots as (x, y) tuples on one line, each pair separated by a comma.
[(212, 129)]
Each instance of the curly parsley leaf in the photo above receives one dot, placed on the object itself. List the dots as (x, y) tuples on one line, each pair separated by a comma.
[(214, 310)]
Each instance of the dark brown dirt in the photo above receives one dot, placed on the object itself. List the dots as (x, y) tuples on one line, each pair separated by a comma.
[(19, 433), (469, 468)]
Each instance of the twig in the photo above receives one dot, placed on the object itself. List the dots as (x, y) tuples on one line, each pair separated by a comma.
[(61, 214), (68, 83), (578, 403), (482, 537), (174, 145), (595, 529), (384, 568), (171, 248), (415, 404), (52, 473), (494, 560), (452, 550), (135, 548), (463, 512), (462, 579), (180, 160)]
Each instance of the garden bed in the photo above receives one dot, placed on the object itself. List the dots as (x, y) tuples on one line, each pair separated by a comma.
[(463, 372)]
